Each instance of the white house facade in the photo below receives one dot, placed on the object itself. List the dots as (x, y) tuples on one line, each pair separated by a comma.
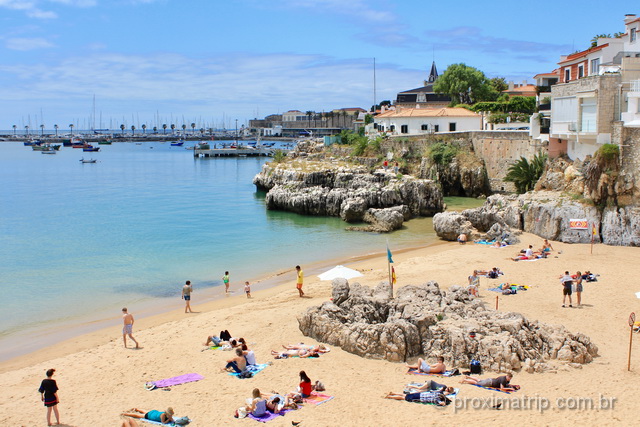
[(419, 121)]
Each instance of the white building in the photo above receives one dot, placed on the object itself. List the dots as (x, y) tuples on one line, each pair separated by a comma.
[(417, 121), (596, 88)]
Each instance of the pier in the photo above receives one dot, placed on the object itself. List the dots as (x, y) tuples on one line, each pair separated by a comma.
[(234, 152)]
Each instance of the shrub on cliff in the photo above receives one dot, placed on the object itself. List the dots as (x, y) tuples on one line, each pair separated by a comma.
[(525, 174), (442, 153)]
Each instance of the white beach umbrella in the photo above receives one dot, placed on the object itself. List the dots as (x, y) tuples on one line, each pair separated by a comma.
[(340, 272), (638, 294)]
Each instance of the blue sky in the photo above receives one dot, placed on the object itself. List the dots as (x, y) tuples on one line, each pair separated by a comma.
[(213, 61)]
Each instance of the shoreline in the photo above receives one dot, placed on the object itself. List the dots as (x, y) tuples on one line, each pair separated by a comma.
[(79, 336)]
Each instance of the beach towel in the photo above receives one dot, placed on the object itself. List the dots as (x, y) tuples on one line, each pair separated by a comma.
[(169, 382), (485, 242), (158, 423), (492, 389), (254, 369), (268, 416), (448, 373), (317, 398)]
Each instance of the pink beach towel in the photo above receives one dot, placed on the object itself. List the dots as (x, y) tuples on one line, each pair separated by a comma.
[(318, 398), (181, 379), (268, 416)]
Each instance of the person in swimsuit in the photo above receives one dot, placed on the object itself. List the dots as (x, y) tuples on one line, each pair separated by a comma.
[(437, 397), (225, 280), (49, 394), (578, 283), (186, 296), (320, 348), (423, 366), (128, 320), (238, 363), (432, 386), (153, 415), (566, 282), (299, 280), (247, 289), (501, 383)]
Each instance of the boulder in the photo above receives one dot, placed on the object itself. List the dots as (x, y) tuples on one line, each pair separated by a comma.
[(424, 320)]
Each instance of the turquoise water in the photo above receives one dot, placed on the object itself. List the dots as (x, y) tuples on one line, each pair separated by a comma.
[(79, 241)]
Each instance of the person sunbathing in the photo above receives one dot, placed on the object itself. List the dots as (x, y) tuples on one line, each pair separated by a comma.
[(431, 386), (302, 353), (546, 247), (527, 254), (238, 364), (153, 415), (436, 397), (501, 383), (320, 348), (423, 366)]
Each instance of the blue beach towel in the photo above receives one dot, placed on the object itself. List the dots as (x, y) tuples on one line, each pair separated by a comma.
[(254, 369), (492, 389)]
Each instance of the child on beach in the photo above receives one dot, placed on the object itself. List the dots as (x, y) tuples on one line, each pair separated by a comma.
[(225, 280), (247, 289), (186, 296), (49, 394), (128, 320)]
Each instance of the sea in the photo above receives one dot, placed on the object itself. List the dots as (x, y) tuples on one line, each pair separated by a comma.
[(80, 241)]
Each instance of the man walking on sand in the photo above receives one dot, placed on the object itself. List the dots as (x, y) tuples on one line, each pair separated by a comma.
[(299, 280), (566, 282), (186, 296), (128, 327)]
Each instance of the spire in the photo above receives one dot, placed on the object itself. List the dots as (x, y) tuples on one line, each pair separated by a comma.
[(433, 74)]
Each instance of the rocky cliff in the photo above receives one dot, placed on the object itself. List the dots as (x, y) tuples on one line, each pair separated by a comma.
[(424, 320), (546, 214), (320, 188)]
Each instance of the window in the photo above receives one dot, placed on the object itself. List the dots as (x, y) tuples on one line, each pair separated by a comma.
[(452, 127), (436, 128), (422, 97), (588, 107), (567, 74), (595, 67), (404, 129), (580, 71), (424, 127), (633, 35), (392, 128)]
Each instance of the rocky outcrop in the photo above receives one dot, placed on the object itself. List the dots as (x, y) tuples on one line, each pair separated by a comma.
[(384, 220), (424, 320), (544, 213), (348, 192), (458, 178)]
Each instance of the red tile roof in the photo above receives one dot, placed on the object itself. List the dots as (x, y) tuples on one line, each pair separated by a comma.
[(583, 53), (429, 112)]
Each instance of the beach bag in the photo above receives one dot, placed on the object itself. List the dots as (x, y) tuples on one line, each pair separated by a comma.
[(319, 386), (245, 374), (492, 275), (475, 367), (181, 421)]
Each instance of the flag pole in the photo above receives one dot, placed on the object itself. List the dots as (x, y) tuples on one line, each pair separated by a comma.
[(389, 261)]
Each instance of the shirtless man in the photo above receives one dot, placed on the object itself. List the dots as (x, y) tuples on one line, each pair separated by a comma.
[(299, 280), (128, 327), (423, 366), (238, 363)]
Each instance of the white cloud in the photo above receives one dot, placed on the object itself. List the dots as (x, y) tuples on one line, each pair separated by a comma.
[(30, 8), (359, 10), (235, 84), (23, 43), (77, 3)]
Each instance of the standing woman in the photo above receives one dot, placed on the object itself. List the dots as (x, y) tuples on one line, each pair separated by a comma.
[(305, 385), (49, 394), (578, 282), (186, 295), (225, 280)]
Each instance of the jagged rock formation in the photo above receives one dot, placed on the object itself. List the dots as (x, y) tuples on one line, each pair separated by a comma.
[(546, 214), (348, 192), (458, 178), (423, 320)]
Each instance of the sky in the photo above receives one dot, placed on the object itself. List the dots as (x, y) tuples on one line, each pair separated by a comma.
[(211, 62)]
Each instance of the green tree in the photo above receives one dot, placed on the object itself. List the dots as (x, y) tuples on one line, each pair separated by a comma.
[(525, 174), (499, 84), (368, 118), (164, 128), (465, 85)]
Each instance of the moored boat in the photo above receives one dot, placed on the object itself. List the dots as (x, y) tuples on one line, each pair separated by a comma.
[(89, 147), (177, 143), (83, 160)]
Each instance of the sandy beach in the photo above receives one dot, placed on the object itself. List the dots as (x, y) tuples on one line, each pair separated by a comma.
[(99, 379)]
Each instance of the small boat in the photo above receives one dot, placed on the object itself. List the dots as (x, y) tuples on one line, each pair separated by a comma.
[(104, 142), (89, 147), (177, 143), (82, 160), (203, 146), (48, 152), (46, 147)]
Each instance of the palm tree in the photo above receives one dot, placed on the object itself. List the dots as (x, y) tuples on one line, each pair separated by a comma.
[(155, 129), (193, 128), (183, 128), (122, 128), (164, 128), (56, 128), (133, 130), (42, 130), (173, 127), (26, 130), (309, 114), (71, 127), (14, 130), (144, 128), (524, 175)]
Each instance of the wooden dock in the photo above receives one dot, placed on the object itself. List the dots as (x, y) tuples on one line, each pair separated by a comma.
[(234, 152)]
